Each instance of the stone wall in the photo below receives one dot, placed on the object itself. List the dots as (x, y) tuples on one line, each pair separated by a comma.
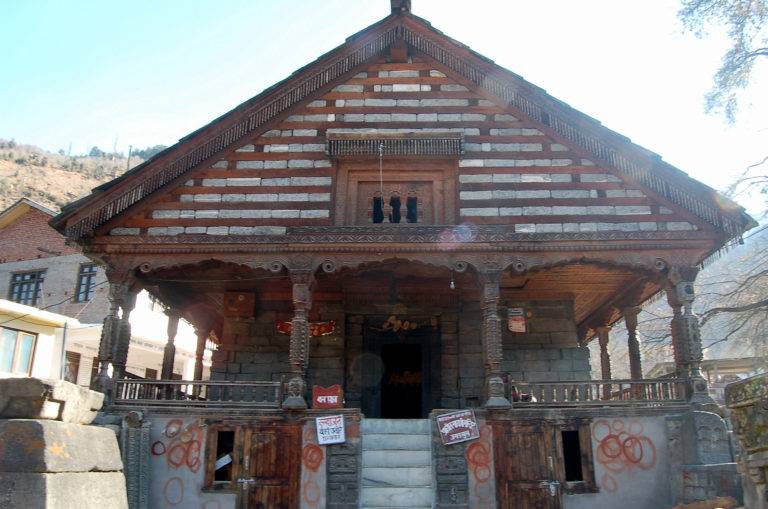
[(49, 455), (548, 351), (251, 349)]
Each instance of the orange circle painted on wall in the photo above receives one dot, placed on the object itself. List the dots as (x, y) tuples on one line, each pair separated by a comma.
[(312, 456)]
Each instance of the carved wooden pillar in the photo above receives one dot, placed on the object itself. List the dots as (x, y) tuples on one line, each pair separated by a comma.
[(633, 345), (605, 359), (123, 343), (202, 338), (169, 352), (491, 339), (679, 347), (109, 334), (686, 338), (298, 354)]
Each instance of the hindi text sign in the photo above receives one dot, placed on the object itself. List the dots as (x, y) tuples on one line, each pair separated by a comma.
[(330, 429), (457, 427)]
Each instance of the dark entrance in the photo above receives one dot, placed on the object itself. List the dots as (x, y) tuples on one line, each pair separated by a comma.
[(396, 371), (401, 384)]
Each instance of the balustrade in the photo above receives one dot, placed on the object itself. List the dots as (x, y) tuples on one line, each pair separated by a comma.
[(194, 393)]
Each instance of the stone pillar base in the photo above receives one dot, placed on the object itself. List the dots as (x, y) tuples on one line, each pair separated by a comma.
[(294, 394), (63, 490), (495, 390)]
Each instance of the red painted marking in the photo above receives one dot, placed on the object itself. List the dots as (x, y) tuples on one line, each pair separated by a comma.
[(312, 456), (608, 483), (312, 493)]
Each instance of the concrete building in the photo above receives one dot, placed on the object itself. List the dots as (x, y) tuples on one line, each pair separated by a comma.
[(402, 251), (54, 283), (31, 341)]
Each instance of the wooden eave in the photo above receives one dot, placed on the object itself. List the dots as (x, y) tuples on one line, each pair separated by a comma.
[(607, 148)]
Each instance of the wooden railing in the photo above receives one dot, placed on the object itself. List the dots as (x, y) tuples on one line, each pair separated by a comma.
[(654, 392), (199, 394)]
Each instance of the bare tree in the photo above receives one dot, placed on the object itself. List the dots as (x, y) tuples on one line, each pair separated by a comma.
[(746, 22)]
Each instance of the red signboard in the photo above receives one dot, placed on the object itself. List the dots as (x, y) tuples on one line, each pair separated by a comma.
[(327, 397), (316, 329), (457, 427)]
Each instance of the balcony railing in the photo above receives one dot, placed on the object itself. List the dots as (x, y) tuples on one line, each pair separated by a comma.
[(654, 392), (199, 394)]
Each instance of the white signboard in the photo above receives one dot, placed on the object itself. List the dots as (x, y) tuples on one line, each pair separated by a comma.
[(330, 429)]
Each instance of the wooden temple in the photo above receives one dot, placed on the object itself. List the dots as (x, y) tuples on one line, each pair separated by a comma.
[(409, 221)]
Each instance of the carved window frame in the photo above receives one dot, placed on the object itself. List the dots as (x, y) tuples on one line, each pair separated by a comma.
[(211, 444), (441, 172)]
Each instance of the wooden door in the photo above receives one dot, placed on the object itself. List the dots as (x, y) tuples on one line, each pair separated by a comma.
[(273, 467), (525, 456)]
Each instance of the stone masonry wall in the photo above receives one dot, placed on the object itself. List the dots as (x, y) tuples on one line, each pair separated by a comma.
[(252, 349), (548, 351)]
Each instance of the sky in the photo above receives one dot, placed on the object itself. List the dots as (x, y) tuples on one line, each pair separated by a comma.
[(141, 73)]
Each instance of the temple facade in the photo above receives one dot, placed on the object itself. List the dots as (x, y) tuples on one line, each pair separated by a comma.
[(403, 230)]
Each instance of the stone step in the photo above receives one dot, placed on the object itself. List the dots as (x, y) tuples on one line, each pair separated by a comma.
[(392, 442), (409, 426), (396, 497), (384, 477), (396, 459)]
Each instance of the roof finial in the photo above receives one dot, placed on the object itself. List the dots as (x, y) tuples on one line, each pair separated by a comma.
[(399, 6)]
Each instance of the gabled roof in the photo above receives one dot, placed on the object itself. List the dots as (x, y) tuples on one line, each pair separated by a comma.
[(20, 208), (256, 115)]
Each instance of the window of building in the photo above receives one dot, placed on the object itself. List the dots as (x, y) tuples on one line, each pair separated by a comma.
[(26, 287), (150, 374), (86, 282), (572, 455), (576, 469), (17, 350), (223, 466), (94, 369), (71, 366)]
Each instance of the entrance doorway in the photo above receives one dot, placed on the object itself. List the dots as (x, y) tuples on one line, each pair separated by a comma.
[(396, 378), (401, 385)]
